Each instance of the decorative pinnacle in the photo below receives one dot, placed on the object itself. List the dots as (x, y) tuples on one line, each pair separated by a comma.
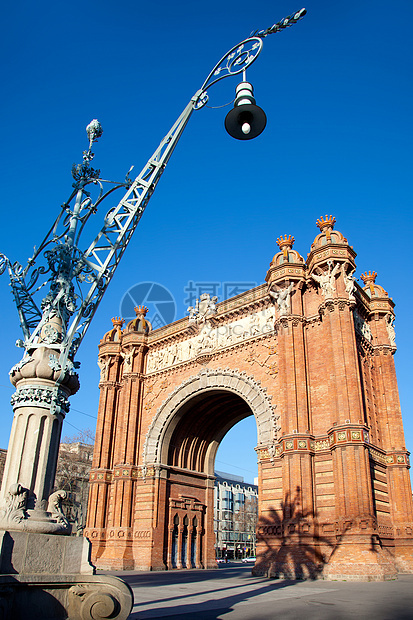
[(94, 131), (118, 322), (369, 278), (141, 311), (326, 224), (285, 244)]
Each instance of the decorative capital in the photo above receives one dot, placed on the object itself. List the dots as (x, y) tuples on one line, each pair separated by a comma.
[(41, 396), (285, 243), (141, 311)]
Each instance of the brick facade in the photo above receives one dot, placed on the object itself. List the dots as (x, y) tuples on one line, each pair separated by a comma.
[(310, 355)]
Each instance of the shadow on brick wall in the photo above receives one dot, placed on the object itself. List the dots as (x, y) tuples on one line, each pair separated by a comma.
[(291, 545)]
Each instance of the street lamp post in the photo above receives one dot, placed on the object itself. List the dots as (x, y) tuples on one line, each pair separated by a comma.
[(45, 377), (77, 279)]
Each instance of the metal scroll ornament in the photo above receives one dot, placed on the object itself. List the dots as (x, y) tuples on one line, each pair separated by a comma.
[(235, 61), (241, 56)]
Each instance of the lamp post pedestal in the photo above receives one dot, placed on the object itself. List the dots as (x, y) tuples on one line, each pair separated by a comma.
[(44, 573), (26, 502)]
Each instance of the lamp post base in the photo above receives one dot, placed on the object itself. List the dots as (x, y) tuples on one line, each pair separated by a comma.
[(47, 577)]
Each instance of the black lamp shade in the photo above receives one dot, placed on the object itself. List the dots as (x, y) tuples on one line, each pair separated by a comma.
[(246, 113)]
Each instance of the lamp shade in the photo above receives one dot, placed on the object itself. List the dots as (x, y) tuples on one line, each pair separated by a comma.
[(245, 121)]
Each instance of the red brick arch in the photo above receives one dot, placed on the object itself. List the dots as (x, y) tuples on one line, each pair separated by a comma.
[(206, 382), (310, 355)]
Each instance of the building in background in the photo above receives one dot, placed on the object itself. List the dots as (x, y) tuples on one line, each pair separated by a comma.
[(3, 454), (235, 516), (72, 475)]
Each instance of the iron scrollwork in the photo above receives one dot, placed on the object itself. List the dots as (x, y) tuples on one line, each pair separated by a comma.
[(241, 56), (235, 61)]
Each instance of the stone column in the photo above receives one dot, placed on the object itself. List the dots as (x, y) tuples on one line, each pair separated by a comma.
[(170, 545), (198, 562), (40, 404)]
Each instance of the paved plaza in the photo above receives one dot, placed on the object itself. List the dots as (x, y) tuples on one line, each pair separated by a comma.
[(232, 593)]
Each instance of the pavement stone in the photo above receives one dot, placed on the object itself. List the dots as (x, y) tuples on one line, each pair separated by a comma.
[(232, 593)]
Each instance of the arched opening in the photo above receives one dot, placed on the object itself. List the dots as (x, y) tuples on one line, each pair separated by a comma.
[(199, 427), (236, 453), (236, 494), (190, 444), (181, 445)]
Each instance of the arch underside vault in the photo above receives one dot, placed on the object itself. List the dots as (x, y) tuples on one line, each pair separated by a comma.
[(200, 426), (188, 427)]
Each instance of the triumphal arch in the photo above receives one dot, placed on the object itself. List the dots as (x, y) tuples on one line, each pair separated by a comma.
[(309, 354)]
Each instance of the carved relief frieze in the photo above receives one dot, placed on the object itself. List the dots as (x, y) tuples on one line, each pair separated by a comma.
[(266, 359), (211, 339), (153, 389)]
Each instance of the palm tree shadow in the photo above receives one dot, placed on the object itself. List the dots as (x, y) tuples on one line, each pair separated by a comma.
[(213, 609), (291, 544)]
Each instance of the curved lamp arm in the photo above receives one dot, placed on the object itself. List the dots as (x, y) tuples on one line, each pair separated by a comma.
[(241, 56)]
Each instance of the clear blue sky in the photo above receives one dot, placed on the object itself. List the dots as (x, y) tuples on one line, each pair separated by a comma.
[(337, 90)]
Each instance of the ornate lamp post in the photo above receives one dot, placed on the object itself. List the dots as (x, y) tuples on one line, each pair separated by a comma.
[(77, 279)]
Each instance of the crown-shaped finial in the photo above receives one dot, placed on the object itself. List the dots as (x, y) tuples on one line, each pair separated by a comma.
[(326, 223), (141, 311), (118, 322), (369, 278), (285, 243)]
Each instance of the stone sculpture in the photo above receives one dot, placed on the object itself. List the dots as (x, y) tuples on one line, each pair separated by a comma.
[(349, 282), (326, 279), (282, 298)]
